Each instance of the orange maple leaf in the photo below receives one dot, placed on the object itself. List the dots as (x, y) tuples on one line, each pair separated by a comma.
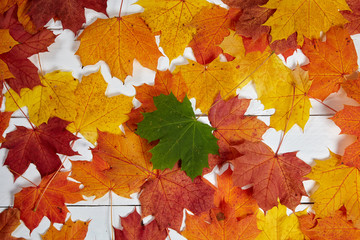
[(240, 201), (128, 159), (70, 230), (212, 25), (335, 227), (328, 71), (220, 226), (118, 41), (272, 175), (165, 83), (47, 200), (348, 120)]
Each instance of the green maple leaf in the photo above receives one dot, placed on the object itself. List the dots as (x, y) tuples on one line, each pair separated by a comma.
[(181, 136)]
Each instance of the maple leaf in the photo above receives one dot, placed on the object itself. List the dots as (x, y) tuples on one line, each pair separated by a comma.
[(352, 16), (91, 175), (52, 203), (278, 225), (232, 126), (336, 227), (330, 69), (54, 98), (206, 82), (166, 195), (252, 17), (69, 230), (9, 221), (134, 229), (96, 111), (352, 88), (289, 17), (348, 120), (352, 155), (272, 175), (338, 186), (121, 163), (181, 136), (111, 39), (212, 25), (239, 201), (22, 13), (4, 123), (172, 18), (25, 73), (289, 97), (221, 227), (71, 13), (165, 83), (38, 146)]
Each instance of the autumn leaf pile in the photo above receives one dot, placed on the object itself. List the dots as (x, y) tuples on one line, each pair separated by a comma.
[(162, 151)]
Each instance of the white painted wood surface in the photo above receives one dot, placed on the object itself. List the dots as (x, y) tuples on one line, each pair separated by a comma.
[(319, 136)]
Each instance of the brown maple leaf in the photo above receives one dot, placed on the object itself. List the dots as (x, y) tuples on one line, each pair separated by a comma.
[(134, 229), (272, 175), (70, 12), (352, 16), (9, 221), (47, 200), (39, 146)]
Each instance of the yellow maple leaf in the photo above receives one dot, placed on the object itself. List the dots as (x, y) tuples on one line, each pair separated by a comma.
[(55, 98), (278, 225), (118, 41), (233, 45), (205, 82), (339, 185), (306, 17), (172, 18), (97, 111), (288, 95)]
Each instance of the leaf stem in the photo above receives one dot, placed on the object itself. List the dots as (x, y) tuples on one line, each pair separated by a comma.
[(27, 118), (50, 180), (41, 71), (23, 177), (287, 122), (122, 1), (111, 216), (227, 94)]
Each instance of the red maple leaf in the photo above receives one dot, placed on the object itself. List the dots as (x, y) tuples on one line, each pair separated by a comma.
[(233, 127), (25, 73), (166, 195), (39, 146), (47, 200), (272, 176), (134, 229)]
